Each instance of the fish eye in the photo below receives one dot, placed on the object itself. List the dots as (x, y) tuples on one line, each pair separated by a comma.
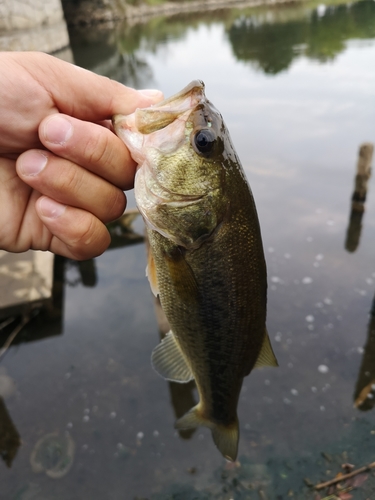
[(204, 140)]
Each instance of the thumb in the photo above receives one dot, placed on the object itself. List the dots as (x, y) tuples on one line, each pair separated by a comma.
[(80, 93)]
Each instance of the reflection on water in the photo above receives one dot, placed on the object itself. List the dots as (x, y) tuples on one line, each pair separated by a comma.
[(320, 35), (297, 119)]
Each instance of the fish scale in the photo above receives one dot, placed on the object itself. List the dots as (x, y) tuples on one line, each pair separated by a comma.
[(206, 259)]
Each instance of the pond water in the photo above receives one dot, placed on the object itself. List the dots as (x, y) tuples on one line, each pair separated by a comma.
[(296, 88)]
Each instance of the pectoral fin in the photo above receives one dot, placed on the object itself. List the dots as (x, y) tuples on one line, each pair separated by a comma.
[(266, 356), (151, 273), (168, 360), (182, 276)]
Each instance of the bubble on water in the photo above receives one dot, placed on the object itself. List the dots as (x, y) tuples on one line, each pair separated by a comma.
[(275, 279), (330, 222), (287, 401), (69, 425), (314, 389), (360, 350), (86, 411), (369, 281), (267, 382), (319, 305), (327, 301), (309, 239), (271, 249), (273, 287), (85, 447), (310, 318), (278, 337), (200, 437), (320, 256), (294, 392), (247, 427), (155, 434), (120, 446), (310, 327), (370, 395), (287, 255), (68, 375), (113, 414), (322, 408), (316, 264), (323, 369), (307, 280), (86, 418), (140, 435)]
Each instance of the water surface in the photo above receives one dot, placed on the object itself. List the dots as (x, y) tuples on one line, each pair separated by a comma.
[(296, 88)]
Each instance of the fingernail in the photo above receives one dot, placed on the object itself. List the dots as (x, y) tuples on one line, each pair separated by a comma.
[(151, 92), (32, 163), (57, 130), (50, 208)]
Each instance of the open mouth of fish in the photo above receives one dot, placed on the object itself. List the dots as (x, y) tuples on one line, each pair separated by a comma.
[(162, 127)]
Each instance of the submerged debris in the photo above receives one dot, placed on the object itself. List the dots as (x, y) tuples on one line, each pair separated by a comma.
[(53, 454)]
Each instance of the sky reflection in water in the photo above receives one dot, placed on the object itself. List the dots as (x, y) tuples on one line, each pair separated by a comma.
[(297, 118)]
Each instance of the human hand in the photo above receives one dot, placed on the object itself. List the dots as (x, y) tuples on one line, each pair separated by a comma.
[(62, 169)]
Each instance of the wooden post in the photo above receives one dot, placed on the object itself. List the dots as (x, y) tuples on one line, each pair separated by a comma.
[(363, 174)]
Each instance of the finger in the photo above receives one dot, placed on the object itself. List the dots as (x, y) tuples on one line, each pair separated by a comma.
[(76, 234), (70, 184), (90, 145), (84, 94)]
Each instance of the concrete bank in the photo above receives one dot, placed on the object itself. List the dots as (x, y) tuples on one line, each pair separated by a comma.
[(33, 25), (87, 12)]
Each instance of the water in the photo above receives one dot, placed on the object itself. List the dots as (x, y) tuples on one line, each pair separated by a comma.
[(296, 88)]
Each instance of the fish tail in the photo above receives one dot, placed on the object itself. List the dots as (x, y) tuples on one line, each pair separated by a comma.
[(225, 436)]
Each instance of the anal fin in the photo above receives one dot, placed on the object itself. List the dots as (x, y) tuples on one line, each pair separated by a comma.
[(168, 360)]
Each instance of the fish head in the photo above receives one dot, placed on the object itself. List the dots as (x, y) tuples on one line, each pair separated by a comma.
[(183, 151)]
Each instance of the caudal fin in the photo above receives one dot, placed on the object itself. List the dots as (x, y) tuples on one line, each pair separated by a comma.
[(225, 436)]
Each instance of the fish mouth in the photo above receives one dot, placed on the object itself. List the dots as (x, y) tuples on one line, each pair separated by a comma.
[(160, 115)]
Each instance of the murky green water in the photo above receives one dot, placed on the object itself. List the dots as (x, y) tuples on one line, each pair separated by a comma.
[(296, 88)]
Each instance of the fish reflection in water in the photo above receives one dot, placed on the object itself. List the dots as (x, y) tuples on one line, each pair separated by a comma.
[(206, 258)]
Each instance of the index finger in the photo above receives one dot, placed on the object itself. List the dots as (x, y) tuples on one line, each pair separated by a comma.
[(89, 145)]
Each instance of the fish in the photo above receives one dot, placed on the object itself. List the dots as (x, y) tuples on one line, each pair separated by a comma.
[(206, 261)]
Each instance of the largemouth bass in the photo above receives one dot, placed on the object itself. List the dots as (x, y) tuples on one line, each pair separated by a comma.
[(206, 259)]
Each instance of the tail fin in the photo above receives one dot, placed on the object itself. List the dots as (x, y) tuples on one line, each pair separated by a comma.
[(225, 436)]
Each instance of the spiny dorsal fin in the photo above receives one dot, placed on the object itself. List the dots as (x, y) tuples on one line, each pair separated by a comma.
[(168, 360), (266, 356)]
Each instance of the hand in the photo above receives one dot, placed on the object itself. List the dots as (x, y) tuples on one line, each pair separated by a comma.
[(62, 169)]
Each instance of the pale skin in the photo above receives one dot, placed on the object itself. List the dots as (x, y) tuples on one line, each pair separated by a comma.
[(62, 169)]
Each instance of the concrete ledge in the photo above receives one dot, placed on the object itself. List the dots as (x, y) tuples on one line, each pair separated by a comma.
[(26, 279), (44, 38)]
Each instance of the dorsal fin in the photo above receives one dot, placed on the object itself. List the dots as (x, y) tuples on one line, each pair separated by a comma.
[(266, 356)]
